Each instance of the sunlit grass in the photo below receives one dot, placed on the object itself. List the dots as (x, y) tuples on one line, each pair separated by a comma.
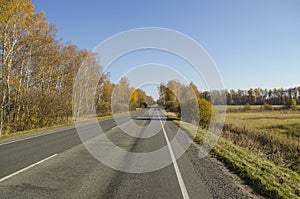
[(66, 124), (269, 179), (276, 121)]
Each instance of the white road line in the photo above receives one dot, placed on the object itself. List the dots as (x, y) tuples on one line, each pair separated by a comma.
[(177, 171), (24, 169)]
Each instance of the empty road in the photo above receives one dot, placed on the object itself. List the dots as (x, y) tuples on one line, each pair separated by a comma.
[(58, 165)]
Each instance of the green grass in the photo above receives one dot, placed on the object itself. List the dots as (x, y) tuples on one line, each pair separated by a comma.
[(268, 178)]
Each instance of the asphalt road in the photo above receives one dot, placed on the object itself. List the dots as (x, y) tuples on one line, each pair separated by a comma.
[(57, 165)]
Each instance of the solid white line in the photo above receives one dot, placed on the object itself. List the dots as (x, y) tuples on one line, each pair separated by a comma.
[(177, 171), (24, 169)]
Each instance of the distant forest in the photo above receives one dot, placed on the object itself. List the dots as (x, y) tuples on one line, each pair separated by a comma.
[(173, 91), (258, 96)]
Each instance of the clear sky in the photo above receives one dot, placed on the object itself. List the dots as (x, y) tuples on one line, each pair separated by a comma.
[(254, 43)]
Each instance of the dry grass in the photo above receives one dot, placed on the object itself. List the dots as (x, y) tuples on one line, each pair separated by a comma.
[(274, 134), (270, 179), (263, 147), (263, 120), (278, 123), (240, 108)]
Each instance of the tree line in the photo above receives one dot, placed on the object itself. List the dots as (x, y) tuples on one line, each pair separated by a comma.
[(258, 96), (252, 96), (175, 97), (37, 72)]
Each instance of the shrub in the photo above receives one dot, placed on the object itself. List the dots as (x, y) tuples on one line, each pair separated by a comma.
[(104, 108), (294, 104), (205, 112), (247, 107), (267, 107)]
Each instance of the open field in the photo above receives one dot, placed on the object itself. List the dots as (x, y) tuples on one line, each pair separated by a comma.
[(273, 134), (240, 108), (262, 147), (276, 122)]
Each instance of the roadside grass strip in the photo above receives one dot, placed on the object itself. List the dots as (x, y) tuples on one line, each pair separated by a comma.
[(268, 178)]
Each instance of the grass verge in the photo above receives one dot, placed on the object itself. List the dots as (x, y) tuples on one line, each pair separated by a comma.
[(52, 127), (269, 179), (34, 130), (60, 125)]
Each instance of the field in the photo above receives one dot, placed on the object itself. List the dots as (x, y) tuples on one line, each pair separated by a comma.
[(273, 134), (277, 122), (263, 147)]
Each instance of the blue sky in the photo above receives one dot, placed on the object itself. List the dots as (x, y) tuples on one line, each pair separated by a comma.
[(253, 43)]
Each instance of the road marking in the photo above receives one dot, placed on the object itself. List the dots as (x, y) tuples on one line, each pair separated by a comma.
[(24, 169), (177, 171)]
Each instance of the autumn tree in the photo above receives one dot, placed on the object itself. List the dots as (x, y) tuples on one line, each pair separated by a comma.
[(195, 89), (294, 104), (251, 97), (205, 112), (104, 99), (139, 99), (19, 23)]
